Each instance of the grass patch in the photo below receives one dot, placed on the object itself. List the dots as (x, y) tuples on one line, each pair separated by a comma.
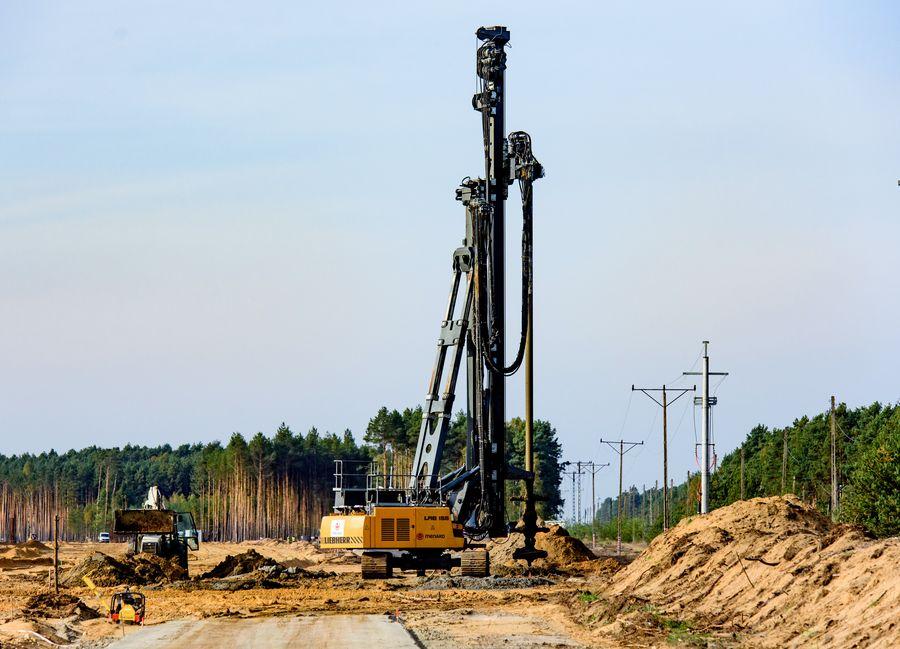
[(681, 632), (686, 637), (587, 597)]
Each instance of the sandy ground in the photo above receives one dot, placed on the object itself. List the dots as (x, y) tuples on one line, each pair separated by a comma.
[(514, 627), (332, 631), (761, 573), (442, 616)]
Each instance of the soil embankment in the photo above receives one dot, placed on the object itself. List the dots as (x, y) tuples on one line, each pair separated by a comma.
[(26, 555), (768, 572), (135, 570), (564, 553)]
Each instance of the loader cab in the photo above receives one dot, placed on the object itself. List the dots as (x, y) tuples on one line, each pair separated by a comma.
[(187, 531), (150, 543)]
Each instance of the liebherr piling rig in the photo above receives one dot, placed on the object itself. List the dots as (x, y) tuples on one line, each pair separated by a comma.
[(425, 520)]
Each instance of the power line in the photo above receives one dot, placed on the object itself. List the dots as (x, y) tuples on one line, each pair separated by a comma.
[(664, 404), (621, 451), (592, 468)]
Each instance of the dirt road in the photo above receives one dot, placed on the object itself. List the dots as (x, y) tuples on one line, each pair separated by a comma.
[(332, 631)]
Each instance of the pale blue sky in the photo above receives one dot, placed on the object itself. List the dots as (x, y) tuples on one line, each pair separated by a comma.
[(220, 216)]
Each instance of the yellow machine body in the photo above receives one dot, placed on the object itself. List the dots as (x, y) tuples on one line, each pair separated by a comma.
[(392, 528), (127, 614), (126, 607)]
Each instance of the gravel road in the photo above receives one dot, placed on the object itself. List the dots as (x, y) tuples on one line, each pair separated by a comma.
[(331, 631)]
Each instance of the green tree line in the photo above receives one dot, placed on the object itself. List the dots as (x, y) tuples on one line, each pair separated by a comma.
[(275, 485), (264, 486), (868, 469)]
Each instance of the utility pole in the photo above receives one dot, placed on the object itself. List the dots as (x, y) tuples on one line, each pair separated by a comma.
[(594, 468), (580, 508), (621, 450), (671, 491), (644, 511), (742, 472), (664, 404), (687, 494), (784, 455), (834, 478), (56, 554), (574, 511), (705, 404), (576, 474), (581, 468)]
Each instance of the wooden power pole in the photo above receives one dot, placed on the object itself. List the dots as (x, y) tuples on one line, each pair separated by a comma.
[(593, 467), (834, 476), (664, 404), (784, 455), (56, 554), (621, 450), (687, 494)]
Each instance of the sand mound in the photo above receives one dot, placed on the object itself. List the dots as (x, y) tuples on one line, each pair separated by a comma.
[(29, 550), (596, 567), (305, 553), (298, 563), (139, 569), (772, 571), (240, 564), (25, 563), (563, 551), (51, 605)]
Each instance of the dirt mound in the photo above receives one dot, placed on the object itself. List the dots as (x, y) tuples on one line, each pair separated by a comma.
[(771, 570), (51, 605), (139, 569), (240, 564), (563, 551), (308, 551), (304, 553), (25, 563), (596, 567), (34, 547), (29, 550), (298, 563)]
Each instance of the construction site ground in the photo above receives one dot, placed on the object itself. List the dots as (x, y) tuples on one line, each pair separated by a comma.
[(760, 573)]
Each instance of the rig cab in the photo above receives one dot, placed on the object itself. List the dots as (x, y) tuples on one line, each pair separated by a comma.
[(395, 529)]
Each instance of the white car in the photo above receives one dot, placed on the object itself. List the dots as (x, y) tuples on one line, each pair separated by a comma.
[(103, 537)]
